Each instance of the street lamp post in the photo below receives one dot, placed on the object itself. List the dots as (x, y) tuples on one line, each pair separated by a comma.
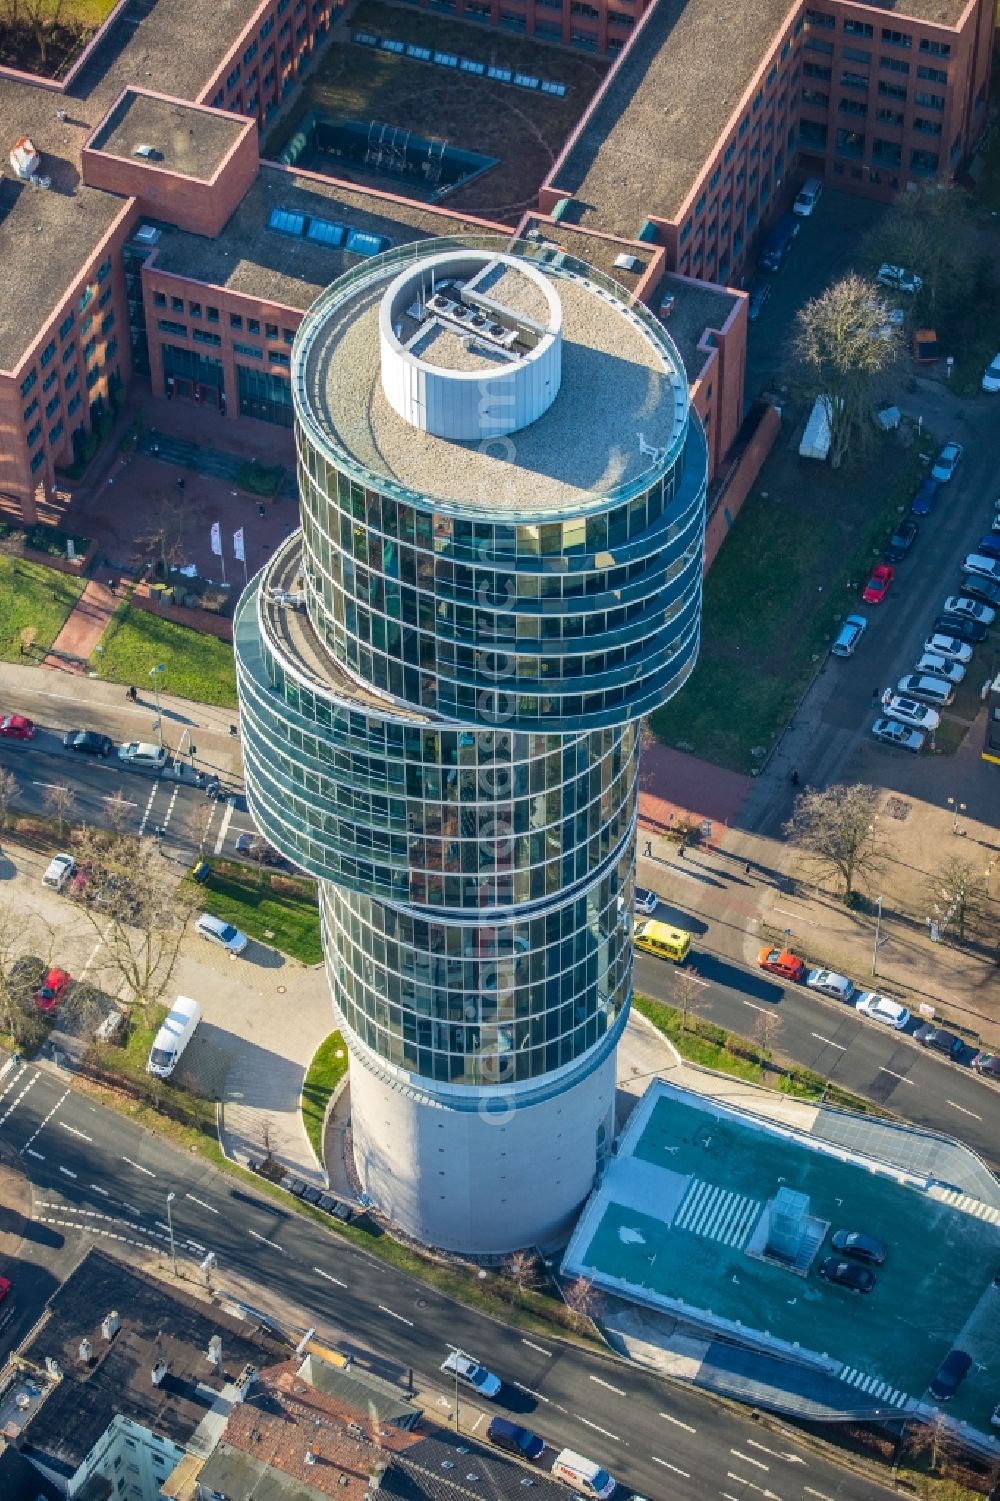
[(956, 808), (156, 673), (456, 1396), (878, 929), (170, 1232)]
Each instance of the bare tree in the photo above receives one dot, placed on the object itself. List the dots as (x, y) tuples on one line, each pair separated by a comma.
[(10, 788), (163, 545), (139, 917), (60, 800), (766, 1028), (117, 811), (202, 823), (689, 994), (39, 19), (931, 1438), (838, 829), (583, 1299), (267, 1139), (20, 975), (961, 887), (844, 342), (522, 1268)]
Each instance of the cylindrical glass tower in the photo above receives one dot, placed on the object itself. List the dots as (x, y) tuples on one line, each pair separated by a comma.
[(498, 572)]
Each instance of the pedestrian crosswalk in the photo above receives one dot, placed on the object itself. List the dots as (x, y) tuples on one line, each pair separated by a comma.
[(967, 1204), (879, 1391), (717, 1213)]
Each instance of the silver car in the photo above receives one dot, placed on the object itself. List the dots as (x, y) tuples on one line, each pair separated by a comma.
[(908, 711), (222, 933), (940, 667), (828, 982), (891, 732), (949, 647)]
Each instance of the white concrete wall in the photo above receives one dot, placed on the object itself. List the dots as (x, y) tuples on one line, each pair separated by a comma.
[(477, 1183)]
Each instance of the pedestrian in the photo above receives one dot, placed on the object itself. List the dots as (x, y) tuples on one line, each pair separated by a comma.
[(795, 779), (746, 868), (648, 850), (680, 851)]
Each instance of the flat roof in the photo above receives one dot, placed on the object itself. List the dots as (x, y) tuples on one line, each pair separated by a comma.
[(697, 306), (187, 140), (594, 249), (291, 270), (616, 384), (678, 1220), (662, 113)]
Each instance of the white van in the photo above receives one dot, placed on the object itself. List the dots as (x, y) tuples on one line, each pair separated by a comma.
[(582, 1475), (173, 1037), (807, 197), (140, 754), (926, 690)]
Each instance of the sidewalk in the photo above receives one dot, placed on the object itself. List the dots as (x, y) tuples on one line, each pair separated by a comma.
[(59, 702), (83, 628)]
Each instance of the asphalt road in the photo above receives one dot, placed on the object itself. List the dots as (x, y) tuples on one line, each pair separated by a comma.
[(96, 1175)]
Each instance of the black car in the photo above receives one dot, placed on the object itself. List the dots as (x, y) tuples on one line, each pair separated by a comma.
[(850, 1274), (901, 541), (939, 1040), (515, 1439), (760, 291), (950, 1374), (256, 848), (987, 1064), (957, 625), (861, 1247), (88, 742), (975, 586)]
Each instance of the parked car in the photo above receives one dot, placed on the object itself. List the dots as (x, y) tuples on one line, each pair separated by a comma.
[(646, 901), (980, 589), (17, 727), (923, 502), (828, 982), (931, 665), (909, 712), (971, 609), (88, 742), (5, 1287), (892, 732), (898, 277), (860, 1247), (982, 563), (60, 869), (947, 462), (850, 1274), (849, 635), (462, 1367), (139, 753), (807, 197), (991, 377), (901, 541), (256, 847), (515, 1439), (938, 1039), (878, 585), (989, 545), (222, 933), (760, 291), (879, 1008), (782, 962), (927, 690), (52, 989), (988, 1065), (950, 647), (961, 627), (950, 1374), (779, 244)]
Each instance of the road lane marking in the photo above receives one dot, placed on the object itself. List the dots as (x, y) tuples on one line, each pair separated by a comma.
[(44, 1123), (749, 1459), (598, 1429), (530, 1346), (783, 911), (68, 1171), (382, 1309), (224, 828), (138, 1167), (963, 1110), (99, 1190), (265, 1242), (901, 1077), (752, 1486), (329, 1276), (537, 1395), (668, 1466), (130, 1207), (608, 1387), (792, 1459), (147, 809), (827, 1043), (753, 1005), (677, 1422), (19, 1074), (477, 1422), (17, 1100), (32, 1153), (196, 1246), (201, 1203), (74, 1132), (820, 1495)]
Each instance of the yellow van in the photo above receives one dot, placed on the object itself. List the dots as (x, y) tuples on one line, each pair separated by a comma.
[(661, 939)]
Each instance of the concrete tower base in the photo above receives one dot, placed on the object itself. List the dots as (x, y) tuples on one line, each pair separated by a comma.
[(483, 1182)]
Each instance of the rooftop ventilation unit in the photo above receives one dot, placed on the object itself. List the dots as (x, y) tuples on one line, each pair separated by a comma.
[(158, 1372), (146, 234), (626, 262), (86, 1351), (214, 1353), (147, 152), (110, 1324)]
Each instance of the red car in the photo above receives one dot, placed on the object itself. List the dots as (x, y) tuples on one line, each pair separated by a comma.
[(877, 586), (16, 727), (5, 1287), (781, 962), (52, 989)]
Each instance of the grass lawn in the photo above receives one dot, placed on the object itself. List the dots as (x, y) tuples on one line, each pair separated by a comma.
[(277, 909), (786, 576), (33, 596), (328, 1067), (87, 13), (198, 666)]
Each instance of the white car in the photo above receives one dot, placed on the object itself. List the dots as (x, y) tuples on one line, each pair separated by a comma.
[(891, 732), (926, 690), (58, 871), (947, 462), (462, 1367), (222, 933), (830, 983), (958, 604), (949, 647), (881, 1009), (940, 667), (979, 563), (807, 197), (908, 711), (646, 901), (991, 380), (898, 277)]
